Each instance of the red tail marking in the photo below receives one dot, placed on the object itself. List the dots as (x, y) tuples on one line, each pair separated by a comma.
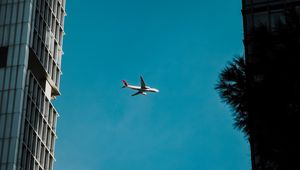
[(125, 83)]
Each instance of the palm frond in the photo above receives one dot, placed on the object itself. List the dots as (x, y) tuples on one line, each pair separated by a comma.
[(231, 87)]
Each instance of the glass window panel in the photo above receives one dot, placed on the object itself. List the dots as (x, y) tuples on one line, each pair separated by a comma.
[(46, 160), (277, 17), (38, 150), (48, 95), (4, 102), (1, 78), (48, 38), (18, 33), (31, 87), (44, 131), (18, 101), (53, 24), (3, 56), (60, 36), (248, 2), (36, 121), (7, 76), (11, 101), (26, 134), (13, 77), (10, 56), (62, 17), (58, 11), (12, 150), (42, 103), (55, 6), (27, 12), (8, 13), (32, 163), (6, 35), (50, 115), (52, 142), (57, 31), (50, 163), (57, 78), (49, 17), (13, 55), (43, 33), (39, 125), (42, 154), (20, 12), (48, 137), (21, 77), (23, 157), (298, 10), (5, 150), (14, 14), (0, 99), (46, 13), (15, 125), (2, 14), (28, 160), (1, 32), (38, 3), (54, 72), (7, 125), (25, 34), (54, 120), (50, 65), (261, 19), (36, 166), (35, 37), (64, 3), (2, 119), (23, 57), (1, 140), (28, 111), (30, 138), (12, 34), (34, 137)]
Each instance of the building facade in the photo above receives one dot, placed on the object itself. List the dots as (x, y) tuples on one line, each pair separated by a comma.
[(264, 12), (275, 90), (31, 38)]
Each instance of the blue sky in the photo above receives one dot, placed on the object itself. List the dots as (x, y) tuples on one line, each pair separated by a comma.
[(179, 46)]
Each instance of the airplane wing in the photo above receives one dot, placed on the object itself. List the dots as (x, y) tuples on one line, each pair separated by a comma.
[(143, 85), (139, 92)]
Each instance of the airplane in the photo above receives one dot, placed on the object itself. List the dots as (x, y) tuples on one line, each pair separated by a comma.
[(141, 89)]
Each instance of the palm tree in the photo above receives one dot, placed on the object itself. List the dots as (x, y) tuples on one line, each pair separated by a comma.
[(264, 94), (232, 89)]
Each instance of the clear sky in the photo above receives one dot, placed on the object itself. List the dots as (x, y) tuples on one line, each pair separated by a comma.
[(179, 46)]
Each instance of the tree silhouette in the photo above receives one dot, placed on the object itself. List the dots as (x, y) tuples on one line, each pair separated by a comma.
[(264, 92), (232, 88)]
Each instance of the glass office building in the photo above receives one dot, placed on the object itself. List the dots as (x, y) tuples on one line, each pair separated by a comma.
[(31, 38), (264, 12)]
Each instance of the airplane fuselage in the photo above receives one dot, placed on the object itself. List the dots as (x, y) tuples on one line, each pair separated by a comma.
[(147, 89)]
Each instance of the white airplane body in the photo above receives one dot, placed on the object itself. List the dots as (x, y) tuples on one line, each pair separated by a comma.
[(141, 89)]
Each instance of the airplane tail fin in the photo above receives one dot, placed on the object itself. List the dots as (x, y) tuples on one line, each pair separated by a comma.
[(125, 84)]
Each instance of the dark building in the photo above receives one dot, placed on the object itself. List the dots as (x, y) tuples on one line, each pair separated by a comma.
[(264, 12), (272, 58)]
